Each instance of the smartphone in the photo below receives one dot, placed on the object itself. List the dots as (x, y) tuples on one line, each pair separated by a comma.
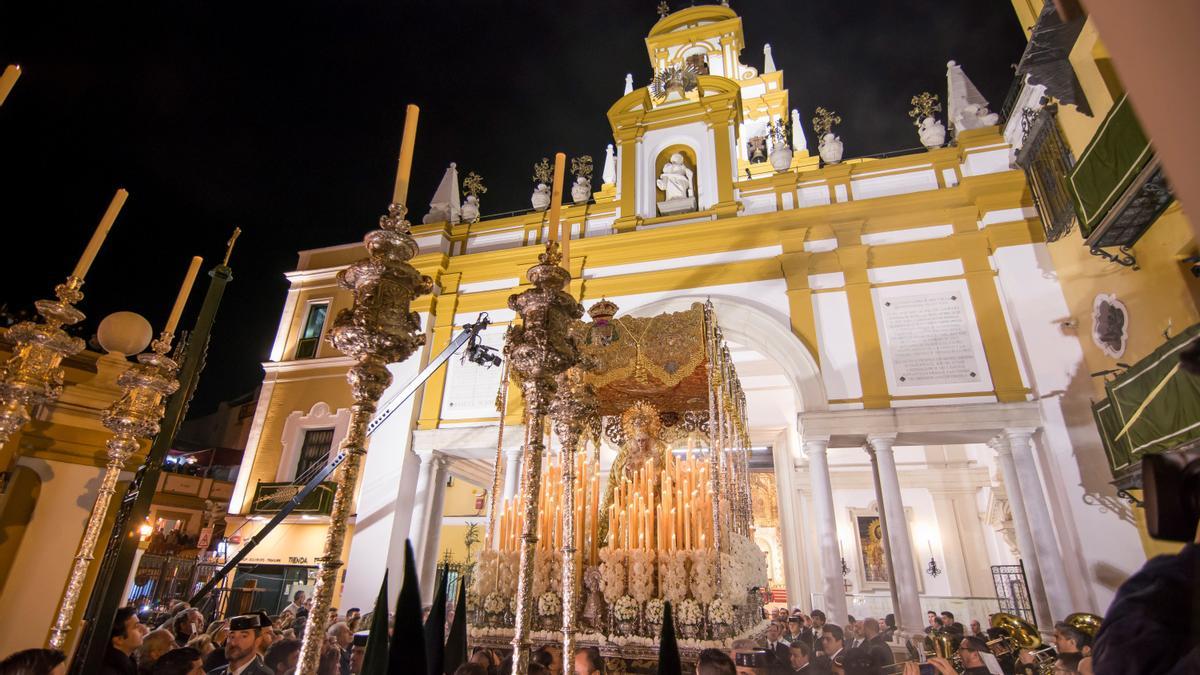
[(927, 669)]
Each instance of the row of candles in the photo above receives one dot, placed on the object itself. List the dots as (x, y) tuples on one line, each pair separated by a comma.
[(550, 499), (663, 507)]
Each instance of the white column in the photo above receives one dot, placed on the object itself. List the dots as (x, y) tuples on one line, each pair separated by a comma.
[(433, 529), (1054, 573), (908, 615), (512, 471), (421, 500), (1016, 505), (785, 472), (831, 557)]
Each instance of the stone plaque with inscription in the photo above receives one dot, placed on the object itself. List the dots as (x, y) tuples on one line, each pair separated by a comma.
[(929, 339)]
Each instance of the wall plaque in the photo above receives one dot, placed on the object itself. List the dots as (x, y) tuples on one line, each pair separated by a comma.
[(929, 338)]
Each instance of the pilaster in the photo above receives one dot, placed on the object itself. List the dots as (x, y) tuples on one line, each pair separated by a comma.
[(442, 318), (989, 314), (854, 258)]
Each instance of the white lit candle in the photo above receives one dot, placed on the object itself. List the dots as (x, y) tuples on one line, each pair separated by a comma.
[(407, 141), (7, 80), (106, 223), (184, 291)]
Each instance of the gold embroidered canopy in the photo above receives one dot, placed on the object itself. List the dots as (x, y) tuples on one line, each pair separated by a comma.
[(662, 359)]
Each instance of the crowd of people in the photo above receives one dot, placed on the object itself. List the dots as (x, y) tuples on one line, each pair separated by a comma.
[(259, 644), (185, 644)]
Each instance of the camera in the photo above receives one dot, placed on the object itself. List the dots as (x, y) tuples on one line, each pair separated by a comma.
[(1171, 482), (477, 352)]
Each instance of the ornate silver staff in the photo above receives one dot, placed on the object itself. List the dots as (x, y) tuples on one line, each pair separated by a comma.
[(572, 409), (33, 375), (132, 417), (377, 330), (539, 350)]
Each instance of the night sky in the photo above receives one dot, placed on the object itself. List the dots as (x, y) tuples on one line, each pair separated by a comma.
[(285, 121)]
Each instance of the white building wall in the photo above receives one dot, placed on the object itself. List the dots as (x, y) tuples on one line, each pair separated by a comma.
[(1074, 470)]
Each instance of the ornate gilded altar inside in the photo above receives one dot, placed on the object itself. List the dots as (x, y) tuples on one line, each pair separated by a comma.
[(660, 493)]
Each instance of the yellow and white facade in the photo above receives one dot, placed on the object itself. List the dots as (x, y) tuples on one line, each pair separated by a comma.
[(905, 305)]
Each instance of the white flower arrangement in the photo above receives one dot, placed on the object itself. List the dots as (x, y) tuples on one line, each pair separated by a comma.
[(690, 613), (506, 581), (720, 612), (743, 568), (641, 575), (626, 608), (612, 574), (494, 603), (549, 604), (704, 575), (485, 577), (654, 611), (672, 576)]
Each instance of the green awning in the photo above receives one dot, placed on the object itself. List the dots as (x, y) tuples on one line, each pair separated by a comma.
[(1119, 453), (1170, 418), (1118, 152)]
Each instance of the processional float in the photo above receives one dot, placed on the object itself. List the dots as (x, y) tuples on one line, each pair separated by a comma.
[(646, 499)]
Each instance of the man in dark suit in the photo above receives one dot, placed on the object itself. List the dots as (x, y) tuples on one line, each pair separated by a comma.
[(876, 646), (801, 659), (833, 643), (775, 644)]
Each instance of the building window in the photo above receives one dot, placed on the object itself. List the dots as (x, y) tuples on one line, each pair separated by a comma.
[(698, 63), (314, 323), (1046, 160), (314, 451)]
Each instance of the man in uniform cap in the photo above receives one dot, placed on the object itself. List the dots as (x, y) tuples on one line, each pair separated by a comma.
[(241, 647), (976, 659), (358, 650)]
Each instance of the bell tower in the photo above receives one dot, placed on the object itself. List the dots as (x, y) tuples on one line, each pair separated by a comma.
[(705, 121)]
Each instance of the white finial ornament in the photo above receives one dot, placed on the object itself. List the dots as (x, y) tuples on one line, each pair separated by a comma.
[(628, 82), (768, 61), (609, 175), (966, 108), (444, 207), (799, 142)]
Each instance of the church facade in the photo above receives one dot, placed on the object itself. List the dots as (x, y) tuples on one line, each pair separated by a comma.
[(897, 325)]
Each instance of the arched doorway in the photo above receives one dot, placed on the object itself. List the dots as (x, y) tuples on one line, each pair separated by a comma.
[(781, 378)]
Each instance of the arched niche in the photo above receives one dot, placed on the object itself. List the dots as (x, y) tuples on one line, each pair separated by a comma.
[(664, 156)]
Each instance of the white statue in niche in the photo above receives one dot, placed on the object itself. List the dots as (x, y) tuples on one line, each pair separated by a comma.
[(676, 179), (676, 182)]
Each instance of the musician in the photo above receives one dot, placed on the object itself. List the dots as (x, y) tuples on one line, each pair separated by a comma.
[(1067, 640), (1067, 663), (971, 653), (1070, 640)]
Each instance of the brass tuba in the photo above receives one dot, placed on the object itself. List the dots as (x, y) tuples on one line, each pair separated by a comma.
[(1088, 624), (1018, 634)]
